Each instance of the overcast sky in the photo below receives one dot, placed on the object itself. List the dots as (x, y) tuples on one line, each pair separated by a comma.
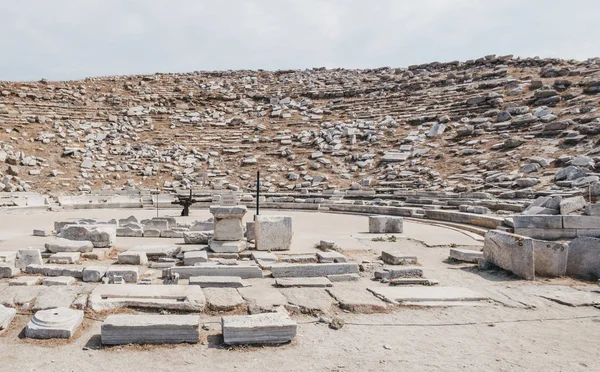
[(72, 39)]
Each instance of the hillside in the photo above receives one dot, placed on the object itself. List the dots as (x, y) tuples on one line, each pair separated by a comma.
[(499, 124)]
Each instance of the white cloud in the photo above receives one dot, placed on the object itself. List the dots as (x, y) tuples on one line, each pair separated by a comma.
[(68, 39)]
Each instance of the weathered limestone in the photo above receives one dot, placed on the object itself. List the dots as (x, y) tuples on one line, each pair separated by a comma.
[(197, 237), (466, 255), (191, 258), (132, 258), (270, 328), (331, 257), (303, 282), (511, 252), (312, 270), (308, 300), (397, 295), (27, 257), (60, 322), (218, 282), (386, 224), (101, 236), (226, 246), (400, 272), (8, 257), (262, 299), (263, 256), (65, 245), (584, 258), (64, 258), (59, 280), (170, 297), (550, 258), (155, 252), (394, 257), (244, 272), (223, 299), (8, 271), (568, 205), (130, 231), (94, 273), (7, 314), (129, 274), (228, 222), (150, 329), (55, 296), (25, 281), (357, 301), (273, 233)]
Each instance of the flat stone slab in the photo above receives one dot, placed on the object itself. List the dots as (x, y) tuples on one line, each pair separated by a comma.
[(223, 299), (7, 314), (25, 281), (227, 246), (154, 252), (262, 300), (510, 252), (270, 328), (218, 282), (55, 296), (150, 329), (357, 301), (60, 322), (169, 297), (64, 258), (397, 295), (399, 272), (308, 300), (65, 245), (466, 255), (343, 277), (331, 257), (312, 270), (303, 282), (563, 295), (244, 272), (264, 256), (414, 281), (394, 257), (59, 280)]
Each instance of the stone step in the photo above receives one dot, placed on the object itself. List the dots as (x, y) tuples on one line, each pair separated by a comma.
[(269, 328)]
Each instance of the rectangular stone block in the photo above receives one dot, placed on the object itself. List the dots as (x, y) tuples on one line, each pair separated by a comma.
[(8, 271), (27, 257), (101, 235), (150, 329), (550, 258), (129, 274), (244, 272), (399, 272), (510, 252), (169, 297), (538, 222), (132, 258), (581, 222), (592, 210), (269, 328), (397, 295), (466, 255), (64, 258), (312, 270), (222, 246), (584, 258), (317, 282), (8, 257), (7, 315), (191, 258), (394, 257), (273, 233), (386, 225), (547, 234), (94, 273), (331, 257), (59, 280), (568, 205)]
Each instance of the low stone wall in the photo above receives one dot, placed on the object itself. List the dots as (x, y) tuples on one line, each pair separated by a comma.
[(374, 209), (465, 218), (557, 227)]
